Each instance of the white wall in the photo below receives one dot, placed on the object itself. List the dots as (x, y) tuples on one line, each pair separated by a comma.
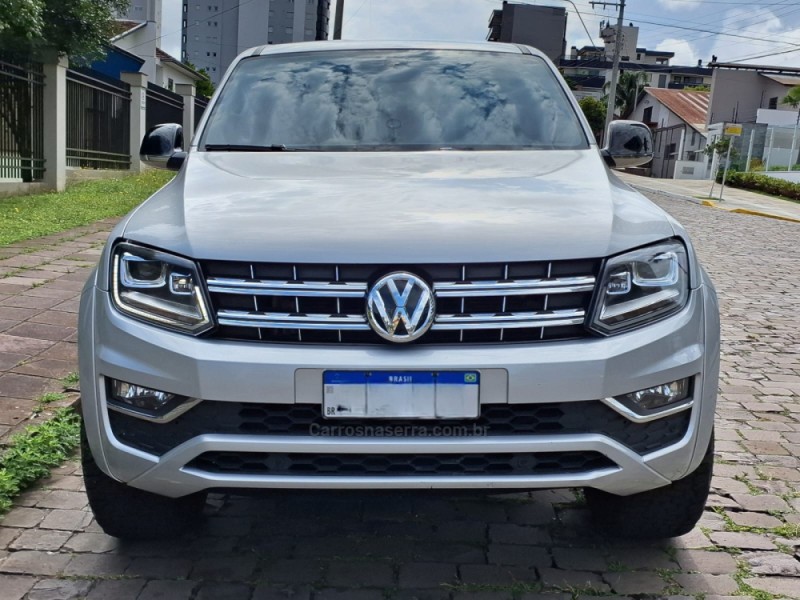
[(793, 176), (168, 71), (687, 169), (142, 43), (777, 117)]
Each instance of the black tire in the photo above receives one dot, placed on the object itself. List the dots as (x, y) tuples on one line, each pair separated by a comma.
[(128, 513), (665, 512)]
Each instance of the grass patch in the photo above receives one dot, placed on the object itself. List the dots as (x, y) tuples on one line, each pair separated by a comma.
[(32, 453), (26, 217), (71, 380)]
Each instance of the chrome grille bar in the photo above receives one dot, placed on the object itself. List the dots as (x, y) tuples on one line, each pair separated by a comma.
[(258, 287), (266, 320), (555, 318), (523, 287)]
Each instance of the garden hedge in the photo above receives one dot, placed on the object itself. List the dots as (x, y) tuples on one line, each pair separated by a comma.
[(763, 183)]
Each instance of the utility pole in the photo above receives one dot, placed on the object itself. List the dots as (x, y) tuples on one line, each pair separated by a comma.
[(337, 20), (612, 91)]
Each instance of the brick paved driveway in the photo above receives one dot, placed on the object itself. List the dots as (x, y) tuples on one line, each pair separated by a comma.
[(446, 546)]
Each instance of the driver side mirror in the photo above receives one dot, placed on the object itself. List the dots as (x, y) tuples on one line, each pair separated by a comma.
[(629, 144), (162, 147)]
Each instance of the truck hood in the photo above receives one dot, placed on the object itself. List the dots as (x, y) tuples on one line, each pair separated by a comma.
[(401, 208)]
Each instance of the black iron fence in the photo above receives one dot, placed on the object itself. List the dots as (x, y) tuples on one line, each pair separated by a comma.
[(163, 106), (200, 104), (98, 121), (21, 119)]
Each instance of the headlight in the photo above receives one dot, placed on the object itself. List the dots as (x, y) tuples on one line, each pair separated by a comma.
[(642, 286), (159, 288)]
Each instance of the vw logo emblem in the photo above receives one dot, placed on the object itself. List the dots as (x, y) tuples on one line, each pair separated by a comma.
[(400, 307)]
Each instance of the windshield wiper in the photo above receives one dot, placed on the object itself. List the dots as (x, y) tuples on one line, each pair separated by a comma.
[(246, 148)]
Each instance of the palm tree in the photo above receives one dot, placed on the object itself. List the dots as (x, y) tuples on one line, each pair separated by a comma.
[(629, 85), (793, 100)]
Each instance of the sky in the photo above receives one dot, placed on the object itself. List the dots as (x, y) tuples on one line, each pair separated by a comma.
[(733, 30)]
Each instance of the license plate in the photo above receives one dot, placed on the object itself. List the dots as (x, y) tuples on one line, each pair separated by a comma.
[(396, 394)]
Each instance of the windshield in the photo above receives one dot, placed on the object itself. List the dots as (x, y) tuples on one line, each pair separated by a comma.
[(394, 100)]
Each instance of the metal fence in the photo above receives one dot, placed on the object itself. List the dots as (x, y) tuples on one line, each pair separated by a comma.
[(21, 119), (98, 121), (200, 104), (163, 106)]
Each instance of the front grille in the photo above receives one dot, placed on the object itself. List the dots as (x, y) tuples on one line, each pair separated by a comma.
[(475, 303), (303, 420), (398, 465)]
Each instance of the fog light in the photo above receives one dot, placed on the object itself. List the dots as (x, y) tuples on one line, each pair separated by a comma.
[(658, 396), (146, 403), (138, 396)]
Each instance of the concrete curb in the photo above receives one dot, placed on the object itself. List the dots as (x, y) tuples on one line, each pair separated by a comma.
[(642, 188), (712, 204)]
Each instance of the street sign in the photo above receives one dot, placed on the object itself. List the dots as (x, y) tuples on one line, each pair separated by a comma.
[(732, 129)]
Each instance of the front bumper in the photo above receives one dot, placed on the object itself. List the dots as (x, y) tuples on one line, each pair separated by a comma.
[(112, 345)]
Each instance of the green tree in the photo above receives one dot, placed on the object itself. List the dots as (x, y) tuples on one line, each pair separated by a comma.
[(79, 28), (793, 98), (595, 111), (629, 85), (204, 86)]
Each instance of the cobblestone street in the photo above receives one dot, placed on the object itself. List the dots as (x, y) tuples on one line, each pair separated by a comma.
[(404, 546)]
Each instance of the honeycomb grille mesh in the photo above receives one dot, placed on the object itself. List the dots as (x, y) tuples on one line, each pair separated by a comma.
[(299, 464), (234, 418)]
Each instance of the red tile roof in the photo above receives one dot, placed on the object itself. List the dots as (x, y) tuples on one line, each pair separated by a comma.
[(689, 106), (123, 26)]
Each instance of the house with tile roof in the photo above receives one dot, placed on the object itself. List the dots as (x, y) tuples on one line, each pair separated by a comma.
[(138, 32), (678, 119)]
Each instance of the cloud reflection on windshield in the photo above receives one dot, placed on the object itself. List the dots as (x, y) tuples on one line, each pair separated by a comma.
[(389, 99)]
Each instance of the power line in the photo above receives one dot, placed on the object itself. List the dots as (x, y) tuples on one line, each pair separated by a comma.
[(738, 60)]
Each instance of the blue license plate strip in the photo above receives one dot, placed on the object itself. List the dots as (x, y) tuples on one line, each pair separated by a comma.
[(401, 394)]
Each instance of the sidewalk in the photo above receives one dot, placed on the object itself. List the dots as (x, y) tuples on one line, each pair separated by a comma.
[(734, 199), (40, 284)]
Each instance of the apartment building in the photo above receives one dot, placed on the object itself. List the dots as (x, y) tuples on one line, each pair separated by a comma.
[(543, 27), (216, 31)]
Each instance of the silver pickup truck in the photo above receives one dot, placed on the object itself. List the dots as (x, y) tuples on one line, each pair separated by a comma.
[(400, 266)]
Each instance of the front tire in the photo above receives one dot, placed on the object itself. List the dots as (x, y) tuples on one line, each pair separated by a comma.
[(665, 512), (129, 513)]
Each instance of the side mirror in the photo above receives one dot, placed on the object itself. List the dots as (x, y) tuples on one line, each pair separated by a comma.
[(162, 147), (629, 144)]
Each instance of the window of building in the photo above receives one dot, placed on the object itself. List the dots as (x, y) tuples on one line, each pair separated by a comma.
[(694, 137), (185, 8), (773, 103), (171, 84), (184, 23), (648, 115), (638, 56)]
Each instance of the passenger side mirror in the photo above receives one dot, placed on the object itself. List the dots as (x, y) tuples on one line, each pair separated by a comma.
[(628, 144), (162, 147)]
